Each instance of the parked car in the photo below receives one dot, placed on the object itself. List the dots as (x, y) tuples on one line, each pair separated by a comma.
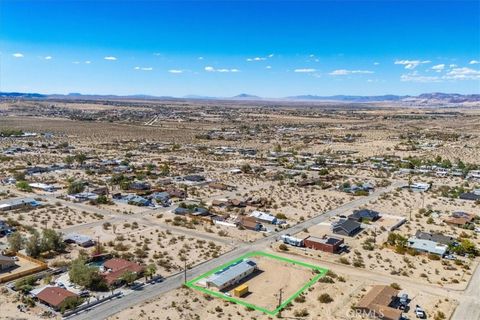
[(403, 301), (420, 313), (84, 294)]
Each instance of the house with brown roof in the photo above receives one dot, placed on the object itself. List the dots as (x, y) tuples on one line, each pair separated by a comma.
[(377, 303), (250, 223), (460, 219), (55, 297), (117, 267)]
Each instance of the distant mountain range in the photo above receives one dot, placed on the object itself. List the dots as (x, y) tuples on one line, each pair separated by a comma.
[(436, 96)]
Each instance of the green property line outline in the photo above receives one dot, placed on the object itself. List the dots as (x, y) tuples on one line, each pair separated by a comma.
[(321, 273)]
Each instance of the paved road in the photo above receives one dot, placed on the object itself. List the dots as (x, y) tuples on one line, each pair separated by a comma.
[(469, 307), (110, 308)]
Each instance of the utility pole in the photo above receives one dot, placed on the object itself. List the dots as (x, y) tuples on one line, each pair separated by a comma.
[(185, 271), (98, 245), (280, 292)]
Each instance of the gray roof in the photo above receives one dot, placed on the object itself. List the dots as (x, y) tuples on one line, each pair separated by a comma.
[(220, 278), (435, 237), (19, 201), (427, 245), (347, 225)]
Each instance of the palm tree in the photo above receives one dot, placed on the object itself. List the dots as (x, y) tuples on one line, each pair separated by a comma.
[(150, 271)]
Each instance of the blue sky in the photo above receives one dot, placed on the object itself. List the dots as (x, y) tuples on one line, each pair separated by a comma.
[(223, 48)]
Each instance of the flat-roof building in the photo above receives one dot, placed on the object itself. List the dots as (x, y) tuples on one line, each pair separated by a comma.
[(326, 243), (232, 274)]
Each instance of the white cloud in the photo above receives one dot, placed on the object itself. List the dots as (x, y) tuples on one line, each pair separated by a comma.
[(453, 65), (88, 62), (415, 77), (305, 70), (376, 63), (17, 55), (143, 68), (474, 62), (175, 71), (438, 67), (48, 58), (271, 55), (111, 58), (221, 70), (344, 72), (268, 67), (411, 64), (200, 58), (256, 59), (76, 62), (463, 74)]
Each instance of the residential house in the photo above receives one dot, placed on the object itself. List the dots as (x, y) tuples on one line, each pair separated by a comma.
[(136, 200), (79, 239), (460, 219), (6, 262), (42, 186), (378, 302), (231, 275), (346, 227), (55, 297), (436, 237), (428, 246), (117, 267), (83, 196), (177, 193), (326, 243), (473, 196), (364, 215), (250, 223), (264, 217), (162, 198), (139, 186), (13, 204)]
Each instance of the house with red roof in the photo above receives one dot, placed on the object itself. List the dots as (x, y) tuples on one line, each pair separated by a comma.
[(55, 297), (115, 268)]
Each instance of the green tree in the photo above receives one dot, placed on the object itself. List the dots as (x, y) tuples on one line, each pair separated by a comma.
[(33, 246), (128, 277), (102, 199), (23, 186), (150, 270), (86, 276), (15, 242), (26, 284), (76, 187), (52, 241)]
